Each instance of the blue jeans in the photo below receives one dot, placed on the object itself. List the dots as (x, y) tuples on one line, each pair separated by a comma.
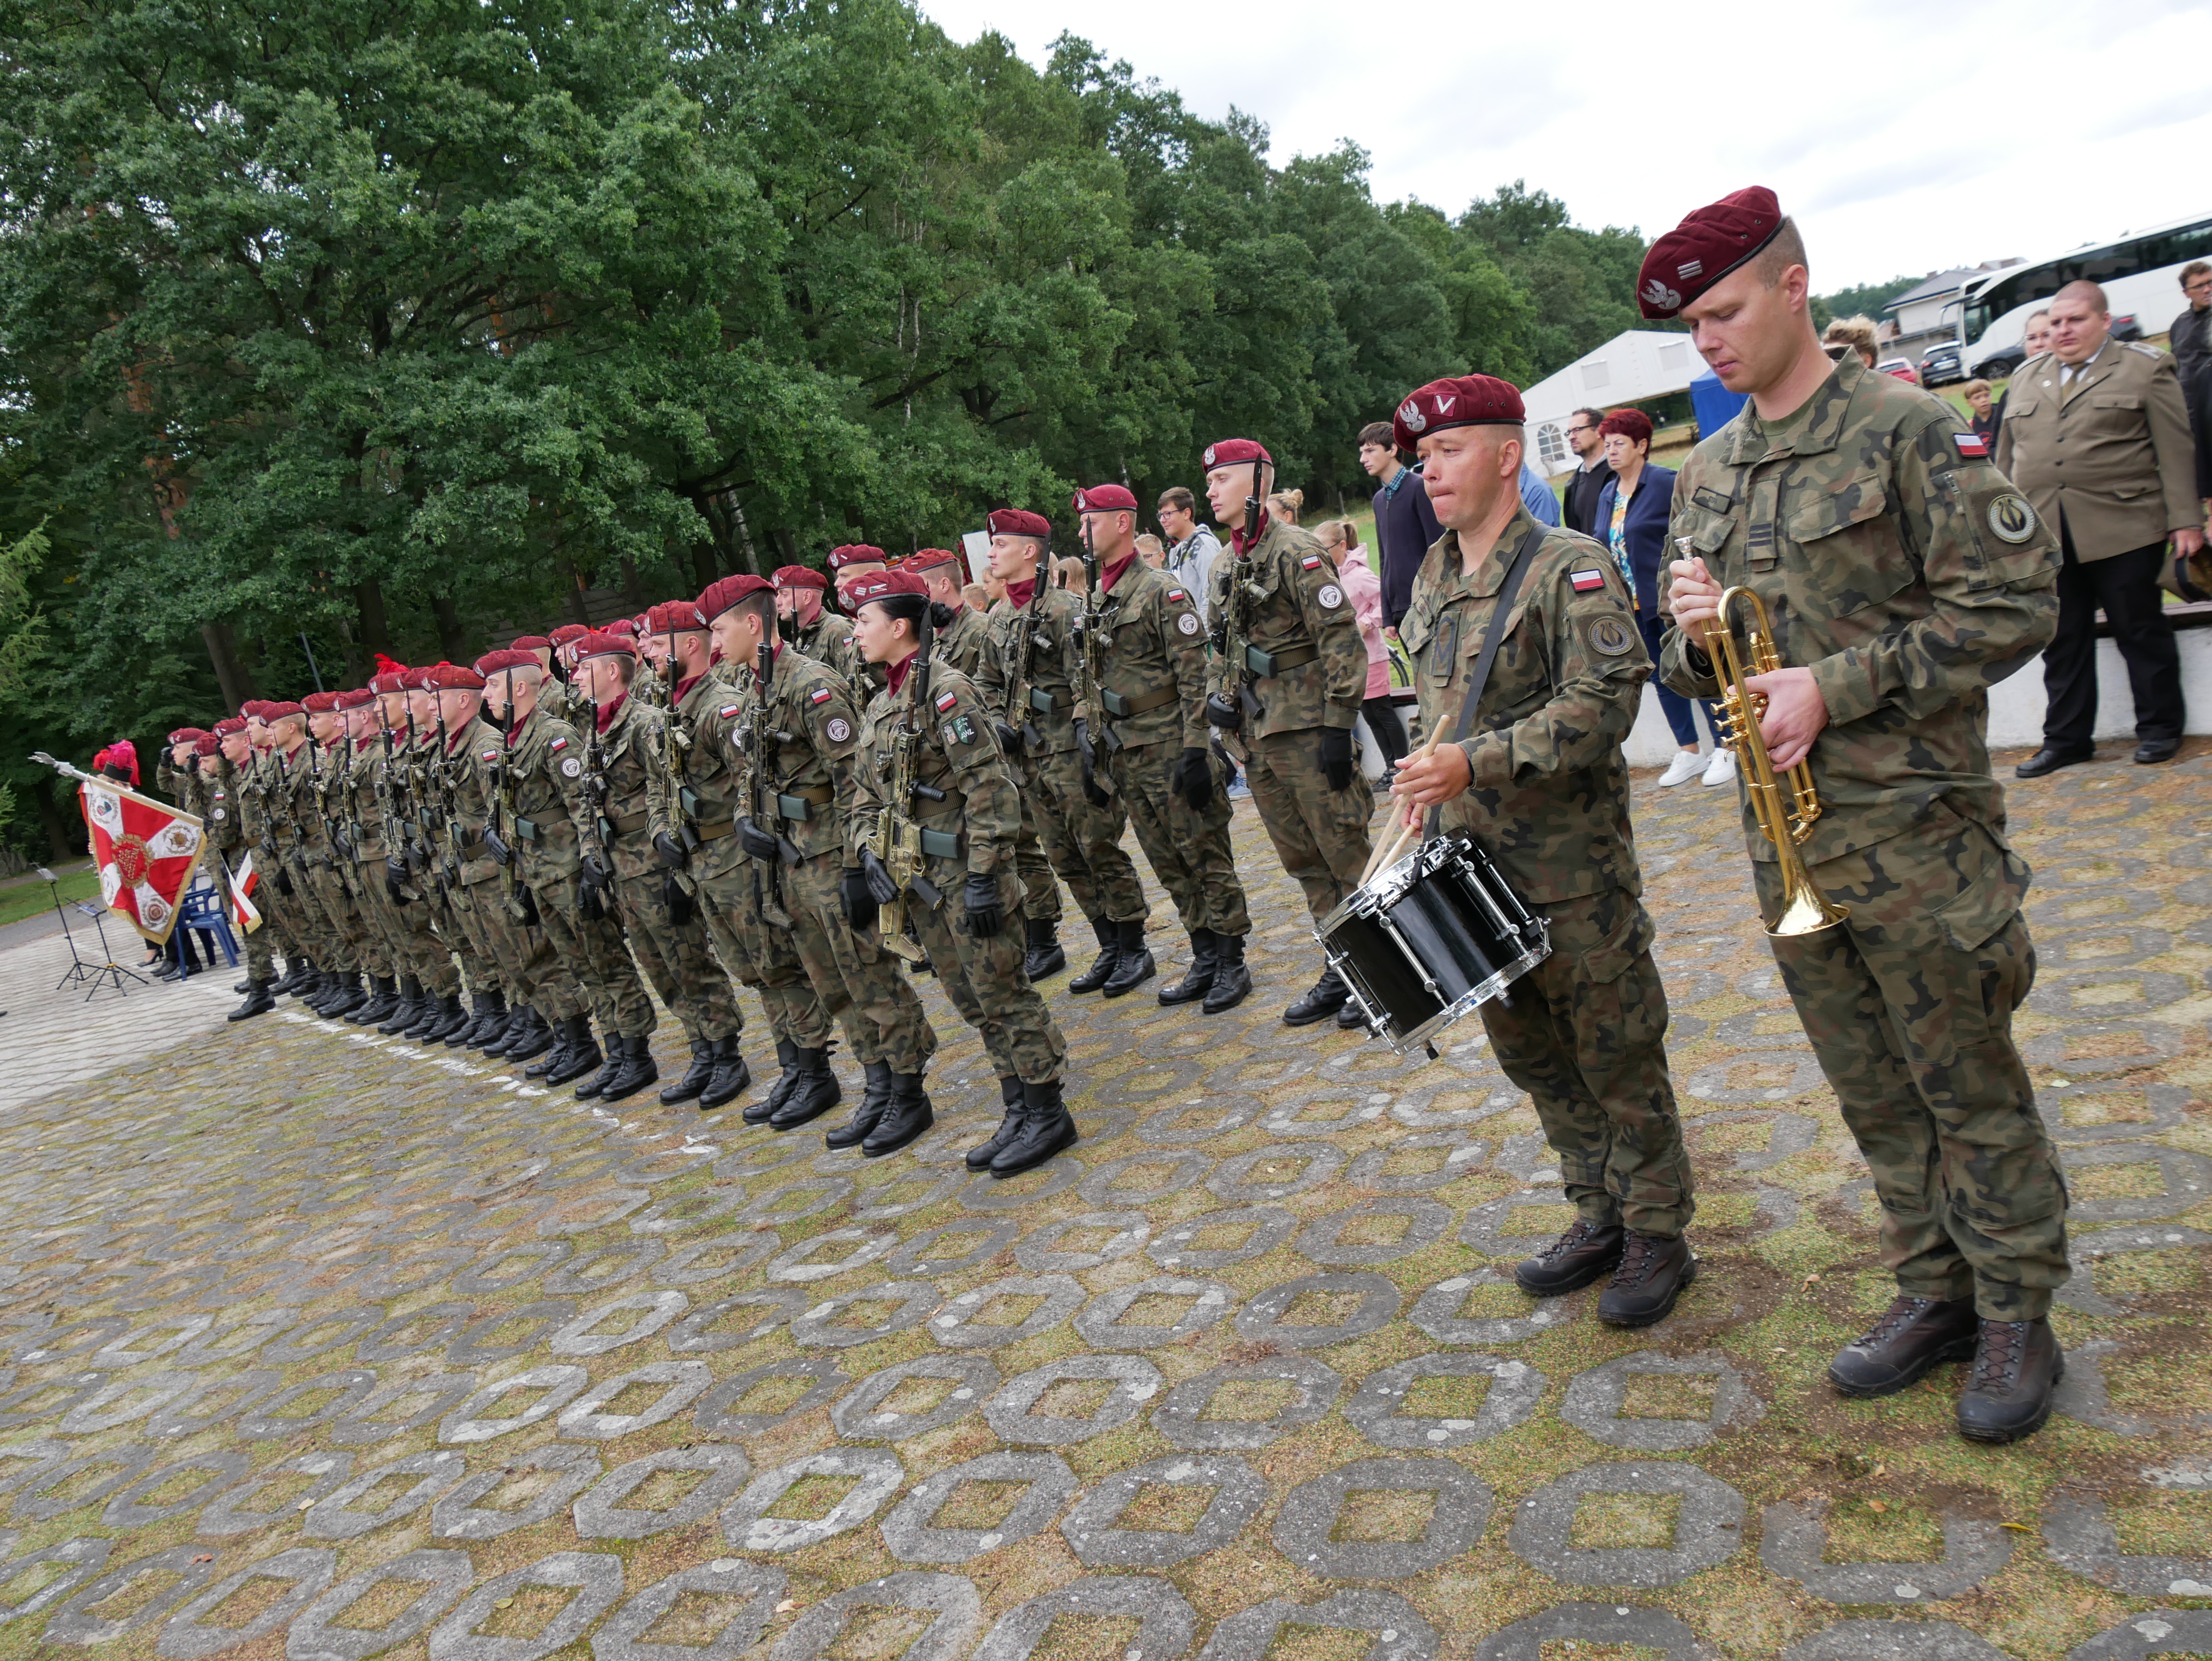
[(1672, 703)]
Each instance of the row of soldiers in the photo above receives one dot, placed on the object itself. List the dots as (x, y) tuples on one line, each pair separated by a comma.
[(750, 788)]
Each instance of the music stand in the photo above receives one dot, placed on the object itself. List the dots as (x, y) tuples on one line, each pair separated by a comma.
[(90, 975)]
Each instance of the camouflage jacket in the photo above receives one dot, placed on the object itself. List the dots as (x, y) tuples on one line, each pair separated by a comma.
[(713, 789), (545, 758), (622, 826), (827, 640), (226, 815), (254, 784), (959, 754), (811, 731), (295, 806), (1300, 646), (1899, 566), (1049, 707), (364, 799), (1548, 796), (474, 753), (1154, 664), (961, 644)]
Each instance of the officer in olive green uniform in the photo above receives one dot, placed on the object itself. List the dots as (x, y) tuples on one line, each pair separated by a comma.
[(929, 777), (1152, 702), (1905, 576), (1539, 784), (1287, 679), (1032, 675)]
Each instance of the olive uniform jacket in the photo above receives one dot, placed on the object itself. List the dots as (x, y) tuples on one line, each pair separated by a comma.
[(622, 828), (811, 732), (963, 641), (978, 814), (2111, 452), (1052, 666), (1303, 657), (478, 748), (711, 794), (1154, 664), (544, 758)]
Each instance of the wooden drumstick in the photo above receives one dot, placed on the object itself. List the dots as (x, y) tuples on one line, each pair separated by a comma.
[(1379, 860)]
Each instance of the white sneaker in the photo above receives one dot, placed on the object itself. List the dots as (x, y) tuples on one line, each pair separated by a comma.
[(1722, 768), (1686, 766)]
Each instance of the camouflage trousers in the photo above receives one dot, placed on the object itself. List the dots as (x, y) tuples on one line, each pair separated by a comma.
[(1584, 1034), (1083, 842), (1909, 1008), (1035, 869), (988, 986), (852, 974), (592, 950), (405, 927), (1188, 851), (536, 975), (483, 962), (677, 959), (1320, 834), (343, 935), (756, 955)]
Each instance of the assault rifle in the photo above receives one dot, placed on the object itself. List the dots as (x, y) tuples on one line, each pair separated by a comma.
[(675, 741), (449, 810), (1091, 729), (897, 838), (760, 743), (1022, 694), (1228, 708)]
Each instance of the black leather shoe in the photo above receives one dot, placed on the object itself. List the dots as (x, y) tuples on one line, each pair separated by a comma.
[(2017, 1367), (1110, 956), (2149, 754), (731, 1079), (1232, 981), (257, 1001), (787, 1057), (979, 1157), (695, 1076), (1198, 979), (583, 1054), (1579, 1256), (1135, 966), (638, 1068), (1650, 1277), (1913, 1335), (813, 1094), (1046, 1129), (875, 1101), (907, 1115), (2048, 760), (614, 1056), (1044, 955), (1327, 997)]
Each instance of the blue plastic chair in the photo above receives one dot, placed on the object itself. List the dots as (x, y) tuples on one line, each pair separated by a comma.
[(203, 910)]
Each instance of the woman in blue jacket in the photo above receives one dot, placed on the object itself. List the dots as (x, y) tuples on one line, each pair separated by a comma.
[(1631, 522)]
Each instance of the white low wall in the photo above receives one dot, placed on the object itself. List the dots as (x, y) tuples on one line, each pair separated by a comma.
[(2015, 704)]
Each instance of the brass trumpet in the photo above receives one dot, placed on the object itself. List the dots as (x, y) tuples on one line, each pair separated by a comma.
[(1805, 908)]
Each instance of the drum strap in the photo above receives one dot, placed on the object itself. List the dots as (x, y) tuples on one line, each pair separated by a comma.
[(1492, 637)]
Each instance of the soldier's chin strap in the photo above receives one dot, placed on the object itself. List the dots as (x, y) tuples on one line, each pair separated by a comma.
[(1494, 636)]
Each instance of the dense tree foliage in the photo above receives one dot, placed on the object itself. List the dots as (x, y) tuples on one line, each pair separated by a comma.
[(357, 325)]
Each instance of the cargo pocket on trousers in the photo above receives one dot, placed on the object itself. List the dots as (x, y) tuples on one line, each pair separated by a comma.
[(1621, 984)]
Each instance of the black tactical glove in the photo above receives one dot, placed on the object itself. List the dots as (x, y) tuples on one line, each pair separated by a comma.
[(283, 882), (986, 916), (861, 909), (1221, 711), (1093, 792), (668, 851), (1193, 778), (681, 908), (1336, 756), (1010, 738), (528, 907), (757, 842), (878, 878), (595, 888)]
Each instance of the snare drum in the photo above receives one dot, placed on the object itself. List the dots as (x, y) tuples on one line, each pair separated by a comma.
[(1428, 939)]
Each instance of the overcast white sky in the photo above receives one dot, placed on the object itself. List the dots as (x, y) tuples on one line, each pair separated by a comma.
[(1904, 135)]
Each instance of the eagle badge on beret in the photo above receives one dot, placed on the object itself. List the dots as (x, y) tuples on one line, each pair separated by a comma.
[(1410, 413), (1209, 457), (1659, 296)]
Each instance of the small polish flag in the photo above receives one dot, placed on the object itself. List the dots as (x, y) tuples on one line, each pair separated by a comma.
[(1586, 580), (1970, 444)]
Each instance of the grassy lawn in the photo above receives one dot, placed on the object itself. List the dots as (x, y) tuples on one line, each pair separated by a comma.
[(30, 897)]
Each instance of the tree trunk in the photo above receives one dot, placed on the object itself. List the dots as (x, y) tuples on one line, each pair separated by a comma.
[(633, 590), (703, 571), (230, 671), (42, 793), (375, 627), (451, 641), (577, 614)]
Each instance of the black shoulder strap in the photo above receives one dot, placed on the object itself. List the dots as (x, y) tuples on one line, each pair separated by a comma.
[(1493, 635)]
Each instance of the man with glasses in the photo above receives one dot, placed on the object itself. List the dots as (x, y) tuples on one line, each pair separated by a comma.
[(1592, 474), (1192, 547), (2190, 338)]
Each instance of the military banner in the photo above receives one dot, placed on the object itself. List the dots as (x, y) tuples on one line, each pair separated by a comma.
[(146, 852)]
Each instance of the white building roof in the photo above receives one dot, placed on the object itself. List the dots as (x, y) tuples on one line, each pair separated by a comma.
[(1639, 364)]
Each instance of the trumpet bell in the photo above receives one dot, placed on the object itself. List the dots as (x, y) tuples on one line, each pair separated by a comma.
[(1806, 910)]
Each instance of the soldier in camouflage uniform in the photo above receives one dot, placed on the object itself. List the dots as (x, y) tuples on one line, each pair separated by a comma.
[(849, 565), (1032, 676), (961, 643), (1287, 679), (392, 874), (930, 738), (444, 958), (811, 627), (248, 748), (1539, 786), (303, 832), (229, 828), (669, 940), (1905, 575), (461, 859), (793, 746), (1154, 659)]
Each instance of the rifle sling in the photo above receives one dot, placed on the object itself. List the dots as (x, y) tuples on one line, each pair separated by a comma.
[(1494, 636)]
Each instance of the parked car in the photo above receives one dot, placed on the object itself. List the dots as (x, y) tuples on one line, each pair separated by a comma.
[(1901, 367), (1942, 365)]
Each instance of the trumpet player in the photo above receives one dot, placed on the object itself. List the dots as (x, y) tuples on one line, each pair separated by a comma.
[(1533, 775), (1905, 576)]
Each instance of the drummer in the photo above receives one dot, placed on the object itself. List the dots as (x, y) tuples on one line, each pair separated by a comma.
[(1534, 775)]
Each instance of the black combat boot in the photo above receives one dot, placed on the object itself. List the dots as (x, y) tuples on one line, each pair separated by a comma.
[(408, 1010), (1135, 965), (1651, 1275), (1109, 959), (524, 1027), (483, 1006), (383, 999), (786, 1057), (583, 1056), (1579, 1256), (613, 1058), (2017, 1367), (1352, 1018), (564, 1040), (638, 1068), (426, 1019), (348, 996), (1198, 979), (296, 971), (453, 1021), (1045, 955), (731, 1078), (314, 989), (1046, 1129), (1232, 981), (1913, 1335), (906, 1118), (259, 1001), (1327, 997), (244, 986), (813, 1094), (695, 1076), (979, 1157), (874, 1100)]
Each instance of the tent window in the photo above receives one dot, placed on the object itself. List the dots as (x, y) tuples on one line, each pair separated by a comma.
[(1596, 375), (1552, 445), (1674, 355)]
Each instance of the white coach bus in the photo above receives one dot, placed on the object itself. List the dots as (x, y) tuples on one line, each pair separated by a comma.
[(2140, 272)]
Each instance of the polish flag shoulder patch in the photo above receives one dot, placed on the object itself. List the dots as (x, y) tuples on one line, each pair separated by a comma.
[(1174, 594), (557, 747), (1312, 563), (1970, 444), (946, 701), (488, 755), (1586, 580), (821, 695), (729, 711)]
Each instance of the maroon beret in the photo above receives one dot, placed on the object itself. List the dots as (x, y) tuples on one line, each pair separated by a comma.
[(1468, 400), (394, 681), (722, 595), (567, 632), (530, 643), (276, 710), (506, 657), (799, 576), (1235, 449), (185, 735), (228, 724), (417, 680), (857, 553), (1704, 248), (319, 703), (1632, 424), (1105, 499), (884, 585), (620, 626), (606, 644), (928, 559), (1014, 522), (453, 677), (675, 617), (359, 698), (206, 744)]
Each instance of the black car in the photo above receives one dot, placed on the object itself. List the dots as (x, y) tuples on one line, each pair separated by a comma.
[(1942, 365)]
